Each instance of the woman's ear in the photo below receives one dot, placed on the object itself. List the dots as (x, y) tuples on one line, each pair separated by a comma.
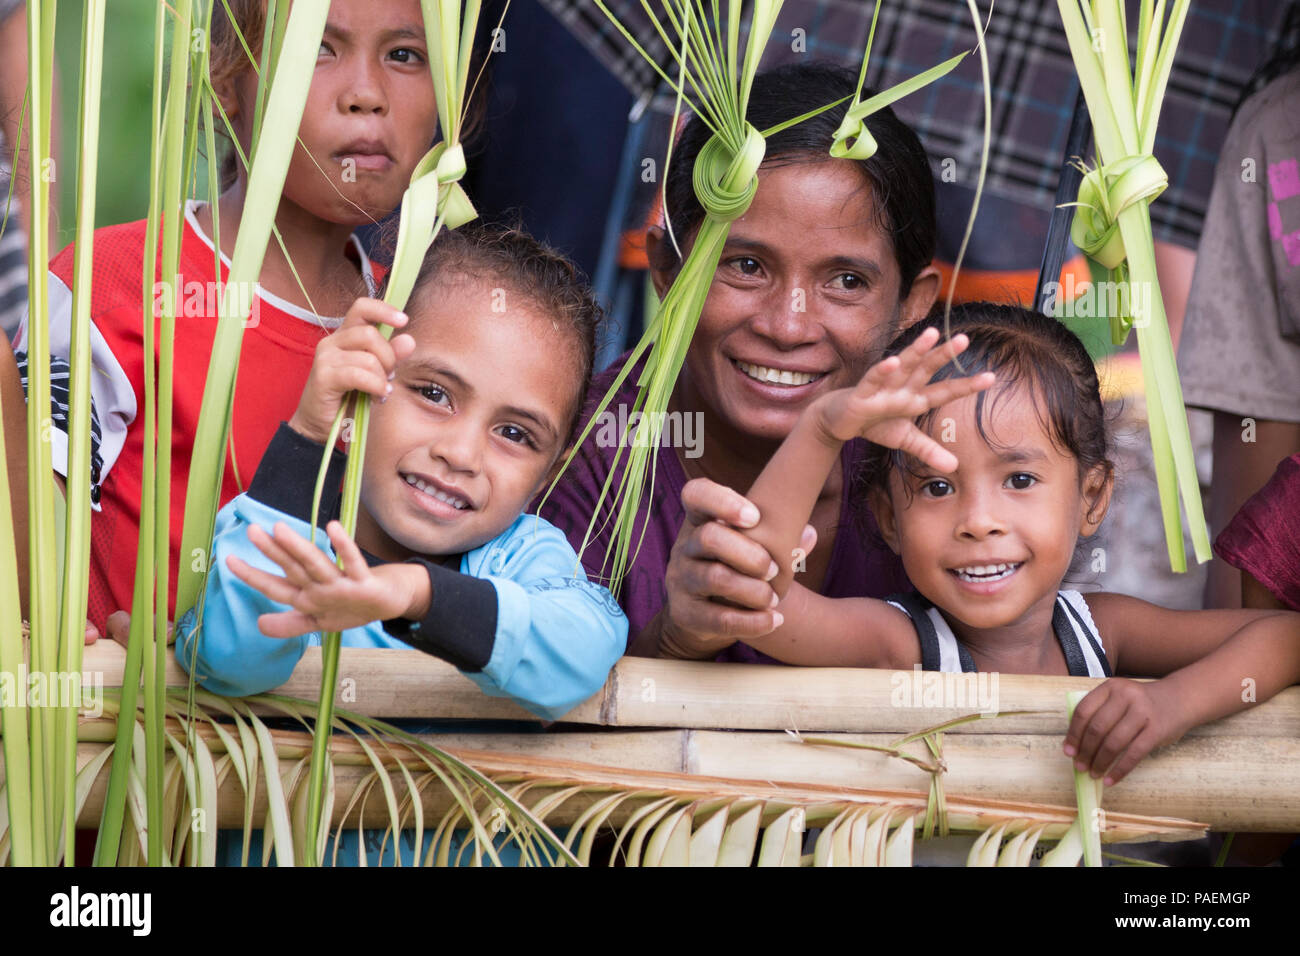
[(882, 507), (662, 258), (920, 298), (1098, 484)]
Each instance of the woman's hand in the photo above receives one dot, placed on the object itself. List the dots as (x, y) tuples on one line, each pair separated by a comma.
[(883, 406), (355, 357), (717, 578), (323, 596), (1118, 724)]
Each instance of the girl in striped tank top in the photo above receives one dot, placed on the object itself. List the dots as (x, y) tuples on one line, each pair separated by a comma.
[(985, 496)]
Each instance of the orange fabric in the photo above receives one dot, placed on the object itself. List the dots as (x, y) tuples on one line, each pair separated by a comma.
[(1012, 286)]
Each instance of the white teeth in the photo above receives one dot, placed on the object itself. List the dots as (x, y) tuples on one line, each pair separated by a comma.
[(775, 376), (457, 503), (982, 573)]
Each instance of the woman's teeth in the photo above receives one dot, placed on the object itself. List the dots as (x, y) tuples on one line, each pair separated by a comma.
[(458, 503), (776, 376), (983, 573)]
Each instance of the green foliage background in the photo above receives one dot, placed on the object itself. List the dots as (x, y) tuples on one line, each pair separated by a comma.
[(123, 194)]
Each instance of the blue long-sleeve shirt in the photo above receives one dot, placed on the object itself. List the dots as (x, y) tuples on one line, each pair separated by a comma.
[(519, 617)]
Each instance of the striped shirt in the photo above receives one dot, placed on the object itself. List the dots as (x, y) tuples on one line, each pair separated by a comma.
[(1071, 622)]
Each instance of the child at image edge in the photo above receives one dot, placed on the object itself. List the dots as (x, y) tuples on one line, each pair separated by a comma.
[(986, 521), (370, 116), (474, 408)]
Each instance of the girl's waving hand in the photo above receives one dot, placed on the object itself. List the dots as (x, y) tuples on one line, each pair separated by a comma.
[(883, 406), (321, 595)]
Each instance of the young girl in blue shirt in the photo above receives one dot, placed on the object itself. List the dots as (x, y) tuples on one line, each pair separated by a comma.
[(476, 399)]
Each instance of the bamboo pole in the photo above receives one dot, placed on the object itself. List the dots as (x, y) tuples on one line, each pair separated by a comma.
[(1231, 783), (652, 693), (822, 801)]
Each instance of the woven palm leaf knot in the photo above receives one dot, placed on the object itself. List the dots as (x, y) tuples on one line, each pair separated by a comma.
[(1105, 193), (725, 180)]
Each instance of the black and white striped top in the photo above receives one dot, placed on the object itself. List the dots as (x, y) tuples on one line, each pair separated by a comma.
[(1071, 621)]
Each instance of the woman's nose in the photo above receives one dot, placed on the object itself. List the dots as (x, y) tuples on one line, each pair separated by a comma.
[(788, 316)]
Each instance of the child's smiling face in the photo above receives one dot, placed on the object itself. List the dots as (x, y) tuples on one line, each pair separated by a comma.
[(370, 115), (475, 423), (990, 544)]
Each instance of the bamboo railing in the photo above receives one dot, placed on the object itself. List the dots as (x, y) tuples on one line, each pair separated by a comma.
[(730, 721)]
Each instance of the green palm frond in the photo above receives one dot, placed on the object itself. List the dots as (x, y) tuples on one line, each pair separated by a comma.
[(1112, 225)]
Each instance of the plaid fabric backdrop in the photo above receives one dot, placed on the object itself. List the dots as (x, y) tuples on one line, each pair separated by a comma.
[(1032, 78)]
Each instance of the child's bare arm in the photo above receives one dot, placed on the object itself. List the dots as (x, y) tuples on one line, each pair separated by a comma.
[(840, 632), (881, 408), (1211, 664)]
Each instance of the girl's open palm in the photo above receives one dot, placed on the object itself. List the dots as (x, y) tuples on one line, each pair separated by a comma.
[(323, 596), (882, 407)]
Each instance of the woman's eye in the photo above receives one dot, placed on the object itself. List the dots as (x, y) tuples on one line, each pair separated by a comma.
[(1020, 481), (435, 394), (937, 488), (746, 265), (517, 435)]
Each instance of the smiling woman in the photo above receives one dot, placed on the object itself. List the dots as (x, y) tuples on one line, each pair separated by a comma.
[(831, 258)]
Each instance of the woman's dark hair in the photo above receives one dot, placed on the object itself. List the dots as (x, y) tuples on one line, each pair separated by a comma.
[(902, 186), (507, 256), (1031, 354)]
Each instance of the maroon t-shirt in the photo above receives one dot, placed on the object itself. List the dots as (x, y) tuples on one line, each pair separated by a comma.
[(859, 567), (1263, 538)]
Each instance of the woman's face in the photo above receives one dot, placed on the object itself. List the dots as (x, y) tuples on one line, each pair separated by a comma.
[(806, 290)]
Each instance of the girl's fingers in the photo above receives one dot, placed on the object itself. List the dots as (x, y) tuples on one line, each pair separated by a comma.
[(354, 563), (373, 312), (1118, 741), (293, 570), (1099, 728), (284, 624), (273, 586), (365, 340), (924, 448), (1082, 716), (403, 346), (355, 378), (951, 389), (312, 559), (1137, 750)]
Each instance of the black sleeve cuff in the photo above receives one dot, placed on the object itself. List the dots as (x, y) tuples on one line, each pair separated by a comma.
[(286, 476), (461, 625)]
